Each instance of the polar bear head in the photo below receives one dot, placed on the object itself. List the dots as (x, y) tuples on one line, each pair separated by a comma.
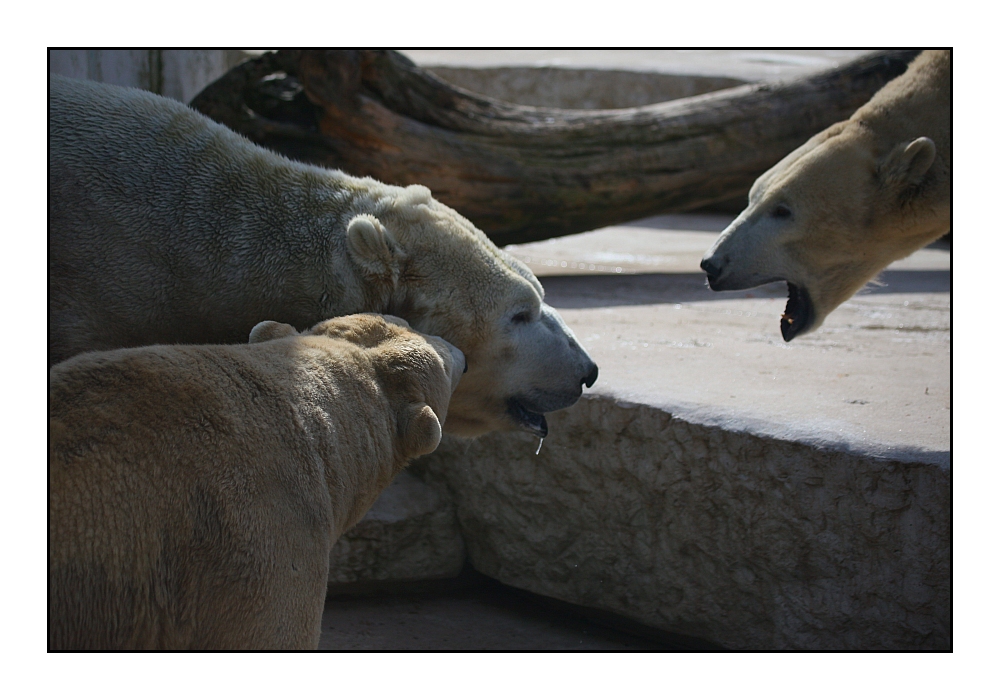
[(445, 277), (828, 218), (418, 373)]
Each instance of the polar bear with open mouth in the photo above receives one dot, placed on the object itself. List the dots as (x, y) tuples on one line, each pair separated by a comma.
[(857, 196)]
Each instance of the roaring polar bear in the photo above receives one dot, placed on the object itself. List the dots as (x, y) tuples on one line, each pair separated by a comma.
[(836, 211), (166, 227), (195, 492)]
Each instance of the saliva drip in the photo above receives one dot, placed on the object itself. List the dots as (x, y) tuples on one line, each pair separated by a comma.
[(540, 441)]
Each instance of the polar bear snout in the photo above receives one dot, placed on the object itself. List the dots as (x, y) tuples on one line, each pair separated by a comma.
[(535, 367), (748, 253), (577, 367), (555, 371)]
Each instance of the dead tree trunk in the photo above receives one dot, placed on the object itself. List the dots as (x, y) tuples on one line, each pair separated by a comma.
[(528, 173)]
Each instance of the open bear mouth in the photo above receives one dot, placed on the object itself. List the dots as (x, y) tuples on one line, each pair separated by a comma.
[(799, 313), (527, 419)]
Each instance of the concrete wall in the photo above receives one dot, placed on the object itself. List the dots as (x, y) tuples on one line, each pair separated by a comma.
[(180, 74)]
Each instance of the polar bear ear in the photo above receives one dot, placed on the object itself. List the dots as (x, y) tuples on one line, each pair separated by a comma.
[(908, 163), (269, 330), (371, 247), (419, 429)]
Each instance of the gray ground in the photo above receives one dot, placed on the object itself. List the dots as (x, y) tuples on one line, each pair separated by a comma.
[(465, 621), (476, 613)]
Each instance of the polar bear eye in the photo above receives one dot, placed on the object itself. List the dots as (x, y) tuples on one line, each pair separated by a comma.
[(521, 317), (781, 212)]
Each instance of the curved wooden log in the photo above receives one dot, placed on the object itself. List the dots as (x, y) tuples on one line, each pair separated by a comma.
[(528, 173)]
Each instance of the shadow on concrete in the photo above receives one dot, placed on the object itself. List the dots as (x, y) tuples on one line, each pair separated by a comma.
[(589, 291), (713, 222), (475, 612)]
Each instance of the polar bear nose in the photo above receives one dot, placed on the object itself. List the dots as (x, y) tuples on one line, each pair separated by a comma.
[(711, 267), (591, 376)]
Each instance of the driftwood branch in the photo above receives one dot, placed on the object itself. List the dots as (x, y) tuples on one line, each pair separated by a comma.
[(528, 173)]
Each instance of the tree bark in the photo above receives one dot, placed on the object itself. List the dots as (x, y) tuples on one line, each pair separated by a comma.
[(528, 173)]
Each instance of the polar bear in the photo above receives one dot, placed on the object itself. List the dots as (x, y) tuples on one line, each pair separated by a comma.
[(836, 211), (166, 227), (195, 492)]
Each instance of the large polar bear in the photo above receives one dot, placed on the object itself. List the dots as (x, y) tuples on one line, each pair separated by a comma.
[(166, 227), (195, 492), (834, 212)]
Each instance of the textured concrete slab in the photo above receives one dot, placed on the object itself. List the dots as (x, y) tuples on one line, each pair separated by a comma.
[(714, 533), (409, 534)]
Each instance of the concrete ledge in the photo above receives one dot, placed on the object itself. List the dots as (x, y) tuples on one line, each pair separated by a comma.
[(410, 534), (749, 541)]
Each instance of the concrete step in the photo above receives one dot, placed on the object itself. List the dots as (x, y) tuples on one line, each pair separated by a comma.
[(409, 534)]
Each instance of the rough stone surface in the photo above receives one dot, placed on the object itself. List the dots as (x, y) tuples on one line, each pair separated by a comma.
[(748, 541), (410, 534)]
